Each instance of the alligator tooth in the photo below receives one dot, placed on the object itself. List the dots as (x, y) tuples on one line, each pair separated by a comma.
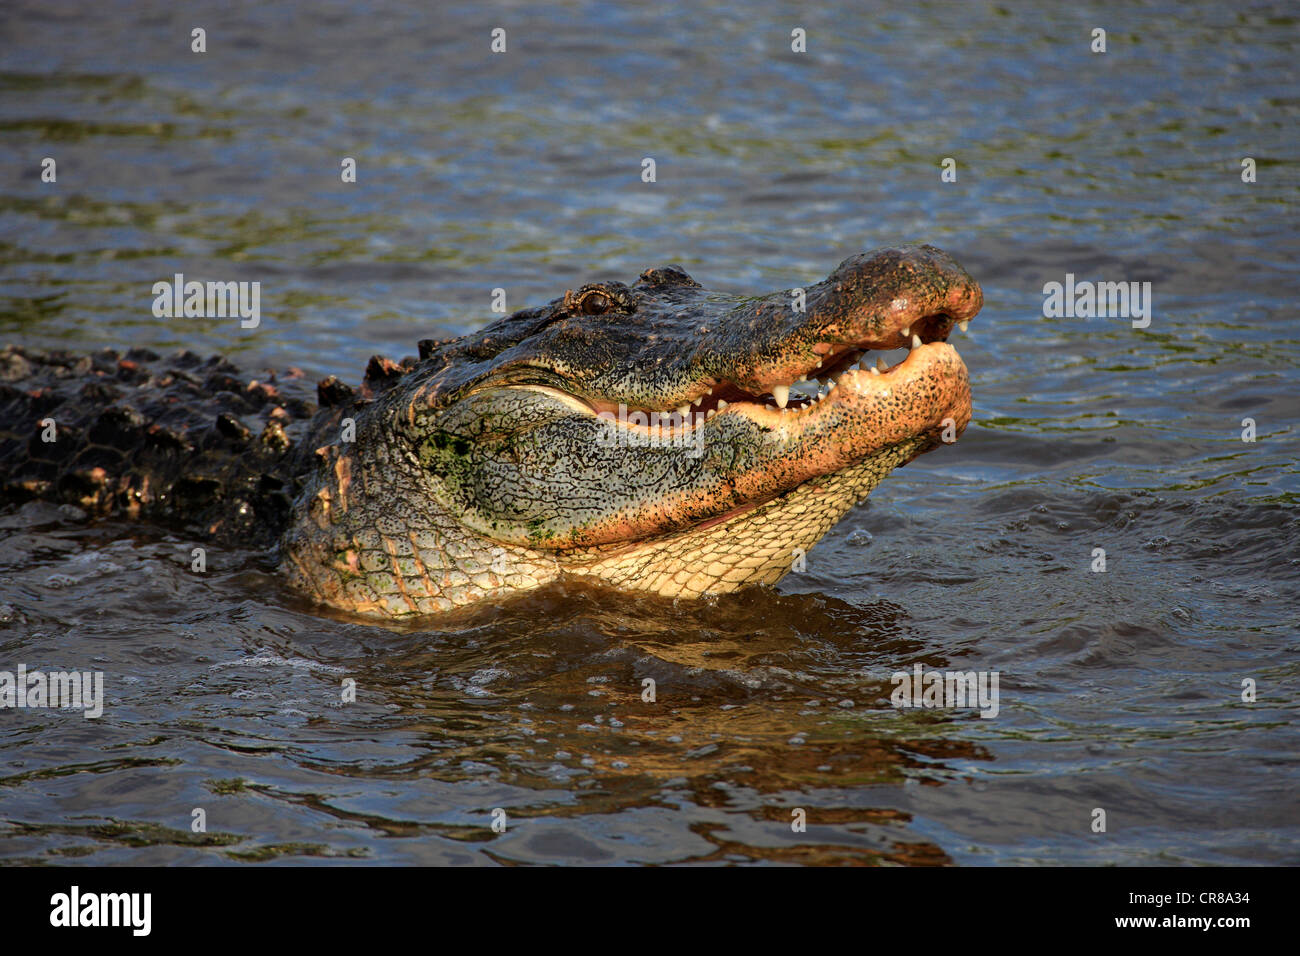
[(683, 410), (907, 331), (712, 412), (830, 383), (782, 395), (875, 371), (964, 325), (916, 341), (696, 401), (721, 404)]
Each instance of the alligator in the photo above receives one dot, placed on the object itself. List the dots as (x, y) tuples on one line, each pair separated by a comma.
[(657, 436)]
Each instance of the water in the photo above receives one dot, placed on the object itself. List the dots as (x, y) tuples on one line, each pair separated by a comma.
[(1119, 690)]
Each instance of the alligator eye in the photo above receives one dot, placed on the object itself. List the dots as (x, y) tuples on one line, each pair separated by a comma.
[(595, 303)]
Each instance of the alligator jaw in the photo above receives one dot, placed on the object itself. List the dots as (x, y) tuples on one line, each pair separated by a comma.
[(932, 377), (917, 403), (826, 457)]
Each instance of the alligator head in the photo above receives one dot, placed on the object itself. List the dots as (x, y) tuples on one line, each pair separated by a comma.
[(656, 436)]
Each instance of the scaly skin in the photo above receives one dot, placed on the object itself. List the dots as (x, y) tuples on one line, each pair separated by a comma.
[(180, 440), (497, 462)]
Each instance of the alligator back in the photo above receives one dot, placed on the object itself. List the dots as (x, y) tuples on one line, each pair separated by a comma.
[(182, 440)]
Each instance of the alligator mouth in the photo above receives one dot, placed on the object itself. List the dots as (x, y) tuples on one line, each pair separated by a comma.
[(869, 368)]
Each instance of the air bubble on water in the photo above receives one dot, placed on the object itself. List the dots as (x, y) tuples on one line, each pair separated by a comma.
[(275, 660)]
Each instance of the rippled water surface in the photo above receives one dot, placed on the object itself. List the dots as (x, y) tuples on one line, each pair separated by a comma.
[(1119, 690)]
